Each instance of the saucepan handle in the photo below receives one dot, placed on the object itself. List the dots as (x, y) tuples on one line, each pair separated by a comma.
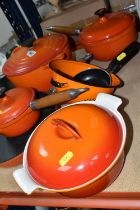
[(124, 57), (108, 101), (64, 29), (57, 98)]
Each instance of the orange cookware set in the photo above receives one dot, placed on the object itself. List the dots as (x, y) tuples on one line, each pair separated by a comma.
[(67, 152)]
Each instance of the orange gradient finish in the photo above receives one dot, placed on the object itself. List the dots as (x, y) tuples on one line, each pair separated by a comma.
[(64, 162), (28, 67), (74, 67), (107, 36)]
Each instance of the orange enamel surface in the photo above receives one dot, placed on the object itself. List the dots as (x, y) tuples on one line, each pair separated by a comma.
[(72, 68), (15, 102), (33, 71), (108, 26), (26, 59), (107, 36), (39, 79), (21, 124), (62, 163), (100, 184), (107, 50)]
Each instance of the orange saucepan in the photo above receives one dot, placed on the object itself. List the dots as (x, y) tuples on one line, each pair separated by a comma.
[(107, 35), (78, 150), (19, 110), (28, 66)]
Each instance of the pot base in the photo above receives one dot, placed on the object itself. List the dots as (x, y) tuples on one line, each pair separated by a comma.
[(99, 185)]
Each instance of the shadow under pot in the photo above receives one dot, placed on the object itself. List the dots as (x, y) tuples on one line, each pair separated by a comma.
[(58, 148), (28, 66)]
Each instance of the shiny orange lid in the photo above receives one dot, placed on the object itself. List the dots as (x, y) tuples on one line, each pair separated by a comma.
[(25, 59), (107, 26), (14, 103), (73, 146)]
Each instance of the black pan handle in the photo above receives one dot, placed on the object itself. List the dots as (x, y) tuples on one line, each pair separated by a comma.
[(124, 57), (101, 12), (57, 84)]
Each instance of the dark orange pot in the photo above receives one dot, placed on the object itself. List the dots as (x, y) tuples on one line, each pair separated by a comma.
[(28, 67), (81, 145)]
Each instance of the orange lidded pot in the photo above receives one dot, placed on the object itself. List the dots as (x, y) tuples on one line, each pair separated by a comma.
[(109, 34), (16, 116), (75, 154), (28, 67)]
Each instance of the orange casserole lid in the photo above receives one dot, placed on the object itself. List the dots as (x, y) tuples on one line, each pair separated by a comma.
[(69, 149), (25, 59), (107, 26), (14, 103)]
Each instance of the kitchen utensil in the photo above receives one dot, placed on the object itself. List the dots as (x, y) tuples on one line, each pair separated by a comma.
[(102, 77), (28, 66), (17, 107), (58, 148), (107, 35)]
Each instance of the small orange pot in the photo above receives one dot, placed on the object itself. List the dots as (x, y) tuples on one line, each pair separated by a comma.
[(19, 111), (81, 145), (16, 115), (28, 67)]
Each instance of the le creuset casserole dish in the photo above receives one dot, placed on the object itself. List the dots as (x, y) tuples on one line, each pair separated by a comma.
[(28, 66), (107, 35), (75, 154)]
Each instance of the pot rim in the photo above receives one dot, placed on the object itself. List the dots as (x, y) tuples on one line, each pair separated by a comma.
[(114, 162)]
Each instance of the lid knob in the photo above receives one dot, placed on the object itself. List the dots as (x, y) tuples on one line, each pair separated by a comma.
[(101, 12), (65, 130)]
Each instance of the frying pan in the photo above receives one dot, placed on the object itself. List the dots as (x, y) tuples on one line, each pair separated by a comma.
[(102, 77), (19, 111)]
